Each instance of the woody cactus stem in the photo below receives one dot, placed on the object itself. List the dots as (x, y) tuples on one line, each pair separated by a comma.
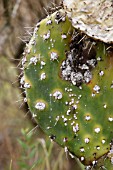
[(69, 88)]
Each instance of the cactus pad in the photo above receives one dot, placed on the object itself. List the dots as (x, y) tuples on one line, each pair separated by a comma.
[(71, 101), (92, 17)]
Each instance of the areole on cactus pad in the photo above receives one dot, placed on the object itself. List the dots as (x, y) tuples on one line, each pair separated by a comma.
[(69, 88)]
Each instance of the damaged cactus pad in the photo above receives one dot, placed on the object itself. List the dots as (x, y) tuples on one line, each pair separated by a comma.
[(68, 82)]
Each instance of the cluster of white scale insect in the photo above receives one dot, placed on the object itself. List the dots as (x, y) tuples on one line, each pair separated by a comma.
[(80, 60), (77, 75)]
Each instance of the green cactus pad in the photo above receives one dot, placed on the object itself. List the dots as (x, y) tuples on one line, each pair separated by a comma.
[(80, 119)]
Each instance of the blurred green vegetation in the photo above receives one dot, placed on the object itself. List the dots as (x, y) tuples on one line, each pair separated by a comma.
[(43, 154)]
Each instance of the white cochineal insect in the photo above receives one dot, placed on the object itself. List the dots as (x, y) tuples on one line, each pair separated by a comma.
[(94, 18)]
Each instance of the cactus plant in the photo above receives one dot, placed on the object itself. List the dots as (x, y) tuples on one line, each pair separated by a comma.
[(92, 17), (69, 88)]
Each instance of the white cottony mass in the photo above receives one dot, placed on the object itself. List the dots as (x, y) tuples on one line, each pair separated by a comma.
[(94, 18)]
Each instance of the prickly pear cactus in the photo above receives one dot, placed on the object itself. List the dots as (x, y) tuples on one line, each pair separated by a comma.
[(69, 88), (92, 17)]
